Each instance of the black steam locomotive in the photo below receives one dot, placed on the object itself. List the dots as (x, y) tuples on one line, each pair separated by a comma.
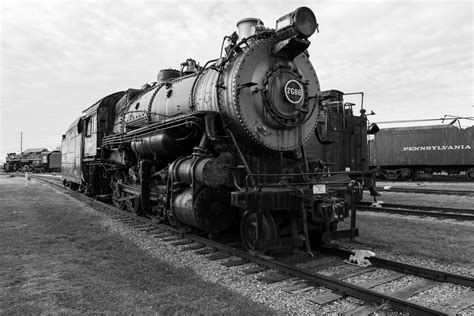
[(230, 143), (33, 160)]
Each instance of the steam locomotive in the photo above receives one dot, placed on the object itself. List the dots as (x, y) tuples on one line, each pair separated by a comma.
[(230, 145), (33, 160)]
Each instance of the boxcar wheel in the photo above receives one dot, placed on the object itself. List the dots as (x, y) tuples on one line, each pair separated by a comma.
[(470, 174)]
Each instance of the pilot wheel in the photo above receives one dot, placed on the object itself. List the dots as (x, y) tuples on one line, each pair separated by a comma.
[(248, 231)]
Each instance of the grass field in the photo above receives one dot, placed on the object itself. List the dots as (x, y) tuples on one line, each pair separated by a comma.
[(438, 240), (443, 241), (56, 257)]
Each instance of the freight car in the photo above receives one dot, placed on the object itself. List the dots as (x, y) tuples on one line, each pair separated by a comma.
[(419, 151), (50, 162), (225, 145), (34, 160)]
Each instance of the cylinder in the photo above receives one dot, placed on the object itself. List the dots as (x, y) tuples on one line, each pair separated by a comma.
[(210, 172), (161, 144), (209, 210)]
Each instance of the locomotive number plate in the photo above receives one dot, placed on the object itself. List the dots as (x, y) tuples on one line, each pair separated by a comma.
[(294, 91), (319, 189)]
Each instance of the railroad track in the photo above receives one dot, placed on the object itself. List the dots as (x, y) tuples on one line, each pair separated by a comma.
[(427, 191), (307, 279), (418, 210)]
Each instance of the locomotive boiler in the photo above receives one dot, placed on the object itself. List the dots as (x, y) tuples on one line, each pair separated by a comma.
[(220, 147)]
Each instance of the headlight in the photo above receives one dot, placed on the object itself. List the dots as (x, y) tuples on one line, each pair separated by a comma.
[(302, 21)]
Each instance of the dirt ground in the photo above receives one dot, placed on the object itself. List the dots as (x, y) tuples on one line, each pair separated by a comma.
[(57, 258)]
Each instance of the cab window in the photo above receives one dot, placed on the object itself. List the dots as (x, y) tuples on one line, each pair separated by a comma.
[(89, 126)]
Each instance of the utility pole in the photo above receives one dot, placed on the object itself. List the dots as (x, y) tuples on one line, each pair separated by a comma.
[(21, 142)]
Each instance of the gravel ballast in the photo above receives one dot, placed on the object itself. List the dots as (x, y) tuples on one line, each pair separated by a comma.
[(232, 278), (272, 296)]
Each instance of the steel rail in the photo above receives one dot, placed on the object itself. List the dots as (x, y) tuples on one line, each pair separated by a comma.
[(435, 275), (334, 284), (428, 191), (338, 286), (415, 212), (422, 208)]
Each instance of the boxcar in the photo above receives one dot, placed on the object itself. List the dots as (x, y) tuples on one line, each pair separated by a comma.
[(417, 152)]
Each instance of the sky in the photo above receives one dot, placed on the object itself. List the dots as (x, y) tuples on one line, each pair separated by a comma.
[(412, 59)]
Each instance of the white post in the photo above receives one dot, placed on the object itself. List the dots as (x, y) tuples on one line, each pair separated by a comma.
[(26, 179)]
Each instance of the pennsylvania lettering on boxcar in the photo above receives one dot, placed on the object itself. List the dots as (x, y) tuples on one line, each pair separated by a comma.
[(446, 147)]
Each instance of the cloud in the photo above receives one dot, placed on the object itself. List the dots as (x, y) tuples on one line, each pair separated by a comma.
[(410, 56), (59, 57)]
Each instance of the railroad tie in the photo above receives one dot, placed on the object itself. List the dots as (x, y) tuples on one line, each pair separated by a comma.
[(182, 242), (218, 256), (361, 310), (325, 298), (254, 270), (234, 262), (273, 277), (414, 289), (152, 230), (375, 282), (348, 274), (172, 238), (192, 247), (160, 234), (205, 251), (142, 228), (304, 289), (296, 288)]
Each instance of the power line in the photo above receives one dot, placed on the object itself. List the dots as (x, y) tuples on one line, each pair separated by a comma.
[(446, 117)]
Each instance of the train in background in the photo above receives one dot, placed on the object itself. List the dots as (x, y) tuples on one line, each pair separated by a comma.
[(248, 142), (417, 152), (33, 160)]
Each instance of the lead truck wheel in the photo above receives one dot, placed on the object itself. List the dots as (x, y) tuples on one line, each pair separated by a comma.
[(248, 230)]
